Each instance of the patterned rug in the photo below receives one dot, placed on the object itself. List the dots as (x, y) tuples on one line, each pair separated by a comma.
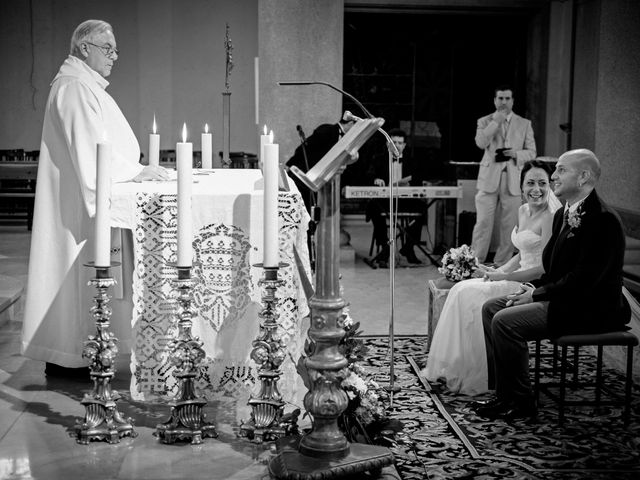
[(442, 438)]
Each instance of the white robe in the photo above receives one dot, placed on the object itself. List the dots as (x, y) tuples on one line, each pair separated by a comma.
[(79, 114)]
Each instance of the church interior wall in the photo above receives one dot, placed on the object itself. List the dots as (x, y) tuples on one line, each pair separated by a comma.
[(617, 112), (172, 63)]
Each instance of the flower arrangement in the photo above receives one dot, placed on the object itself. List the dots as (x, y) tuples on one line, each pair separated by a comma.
[(458, 263), (574, 219), (365, 419)]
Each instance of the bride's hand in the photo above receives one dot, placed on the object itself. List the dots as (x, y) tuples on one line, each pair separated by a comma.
[(481, 271), (495, 276)]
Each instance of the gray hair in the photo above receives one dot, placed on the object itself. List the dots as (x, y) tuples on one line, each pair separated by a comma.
[(86, 31)]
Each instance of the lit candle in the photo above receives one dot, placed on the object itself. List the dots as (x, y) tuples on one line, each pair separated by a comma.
[(184, 160), (264, 140), (270, 217), (103, 198), (207, 148), (154, 145)]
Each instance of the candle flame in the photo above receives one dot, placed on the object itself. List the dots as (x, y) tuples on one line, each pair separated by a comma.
[(206, 128), (271, 136), (154, 124), (265, 129), (184, 132)]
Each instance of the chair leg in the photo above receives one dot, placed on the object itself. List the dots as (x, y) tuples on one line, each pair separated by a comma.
[(536, 373), (599, 375), (555, 359), (627, 386), (563, 380), (576, 360)]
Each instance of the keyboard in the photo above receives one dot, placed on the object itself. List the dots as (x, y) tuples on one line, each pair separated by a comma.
[(403, 192)]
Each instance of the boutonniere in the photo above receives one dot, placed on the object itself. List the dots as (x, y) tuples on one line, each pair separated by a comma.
[(574, 220)]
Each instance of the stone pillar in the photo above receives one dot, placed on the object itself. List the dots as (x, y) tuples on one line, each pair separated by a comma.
[(299, 40)]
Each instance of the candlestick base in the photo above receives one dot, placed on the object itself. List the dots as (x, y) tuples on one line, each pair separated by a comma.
[(187, 420), (102, 420), (268, 421)]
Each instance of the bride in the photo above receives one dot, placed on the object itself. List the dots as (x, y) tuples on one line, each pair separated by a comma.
[(457, 351)]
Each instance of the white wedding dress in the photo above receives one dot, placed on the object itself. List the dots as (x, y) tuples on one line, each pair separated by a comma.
[(457, 351)]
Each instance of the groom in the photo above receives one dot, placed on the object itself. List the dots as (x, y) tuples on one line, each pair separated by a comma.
[(579, 293)]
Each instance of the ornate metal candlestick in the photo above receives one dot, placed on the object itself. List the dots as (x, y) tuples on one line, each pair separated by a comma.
[(187, 420), (102, 420), (268, 421)]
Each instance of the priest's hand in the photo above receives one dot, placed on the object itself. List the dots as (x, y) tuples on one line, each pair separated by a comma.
[(152, 173)]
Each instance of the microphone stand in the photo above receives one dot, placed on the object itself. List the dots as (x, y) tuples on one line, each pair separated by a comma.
[(393, 153)]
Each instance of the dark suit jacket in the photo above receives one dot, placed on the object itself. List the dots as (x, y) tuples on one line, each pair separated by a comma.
[(380, 169), (583, 273)]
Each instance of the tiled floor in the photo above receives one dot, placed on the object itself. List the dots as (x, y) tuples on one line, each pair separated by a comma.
[(37, 414)]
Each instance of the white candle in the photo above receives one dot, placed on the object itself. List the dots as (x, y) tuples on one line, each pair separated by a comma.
[(184, 160), (264, 140), (207, 148), (154, 146), (270, 218), (103, 198)]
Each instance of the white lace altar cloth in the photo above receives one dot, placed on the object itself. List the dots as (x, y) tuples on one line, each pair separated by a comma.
[(227, 228)]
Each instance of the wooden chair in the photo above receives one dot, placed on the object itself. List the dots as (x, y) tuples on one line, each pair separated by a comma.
[(623, 339)]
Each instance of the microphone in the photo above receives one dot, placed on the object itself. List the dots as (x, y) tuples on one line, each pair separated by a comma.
[(350, 117), (303, 138), (349, 96)]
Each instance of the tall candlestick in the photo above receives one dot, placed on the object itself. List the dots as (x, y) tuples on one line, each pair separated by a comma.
[(207, 148), (154, 146), (270, 171), (184, 160), (103, 198)]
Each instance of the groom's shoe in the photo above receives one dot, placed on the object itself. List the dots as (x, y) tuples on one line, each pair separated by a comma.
[(508, 410), (475, 405), (521, 410), (495, 410)]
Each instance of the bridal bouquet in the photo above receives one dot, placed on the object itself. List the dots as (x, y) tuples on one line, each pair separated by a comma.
[(458, 264)]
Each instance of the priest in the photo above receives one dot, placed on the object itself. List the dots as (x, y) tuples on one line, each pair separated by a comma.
[(79, 114)]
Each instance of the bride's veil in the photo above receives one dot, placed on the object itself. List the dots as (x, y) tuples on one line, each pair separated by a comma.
[(552, 202)]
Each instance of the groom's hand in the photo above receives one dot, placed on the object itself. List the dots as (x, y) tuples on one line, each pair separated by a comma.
[(522, 297)]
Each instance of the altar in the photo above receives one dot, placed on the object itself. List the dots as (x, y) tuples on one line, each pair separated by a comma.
[(227, 243)]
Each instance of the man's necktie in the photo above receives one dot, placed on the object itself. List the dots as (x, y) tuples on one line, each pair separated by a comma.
[(565, 219)]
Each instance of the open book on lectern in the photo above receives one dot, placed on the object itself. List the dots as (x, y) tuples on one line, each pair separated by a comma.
[(339, 155)]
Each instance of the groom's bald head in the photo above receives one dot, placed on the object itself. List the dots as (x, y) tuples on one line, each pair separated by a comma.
[(583, 159)]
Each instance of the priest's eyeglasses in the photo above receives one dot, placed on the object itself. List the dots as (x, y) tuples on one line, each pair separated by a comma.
[(107, 50)]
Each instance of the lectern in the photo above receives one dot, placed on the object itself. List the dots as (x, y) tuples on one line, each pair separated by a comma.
[(325, 452)]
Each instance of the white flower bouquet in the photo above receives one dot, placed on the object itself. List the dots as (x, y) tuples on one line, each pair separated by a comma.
[(458, 263)]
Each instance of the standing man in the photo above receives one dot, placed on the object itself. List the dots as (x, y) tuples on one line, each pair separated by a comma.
[(79, 114), (507, 141), (579, 293)]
